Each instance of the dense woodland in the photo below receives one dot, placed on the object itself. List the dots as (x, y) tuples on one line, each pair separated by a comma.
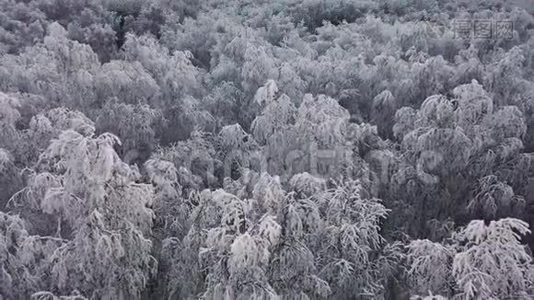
[(265, 149)]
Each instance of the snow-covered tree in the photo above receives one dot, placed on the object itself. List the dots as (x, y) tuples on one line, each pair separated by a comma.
[(429, 267), (352, 237), (492, 262), (239, 149), (101, 211)]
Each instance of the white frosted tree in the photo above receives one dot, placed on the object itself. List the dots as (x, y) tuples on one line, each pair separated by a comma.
[(312, 138), (237, 149), (173, 71), (12, 237), (492, 263), (306, 184), (108, 212), (10, 180), (9, 116), (227, 255), (383, 112), (429, 267), (351, 234), (46, 125), (259, 65), (128, 81), (102, 213), (451, 145), (493, 198), (133, 124), (61, 70), (293, 271), (195, 159), (24, 258), (278, 112), (170, 206), (483, 260)]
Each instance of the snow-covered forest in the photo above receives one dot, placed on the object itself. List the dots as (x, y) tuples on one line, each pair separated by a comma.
[(266, 149)]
